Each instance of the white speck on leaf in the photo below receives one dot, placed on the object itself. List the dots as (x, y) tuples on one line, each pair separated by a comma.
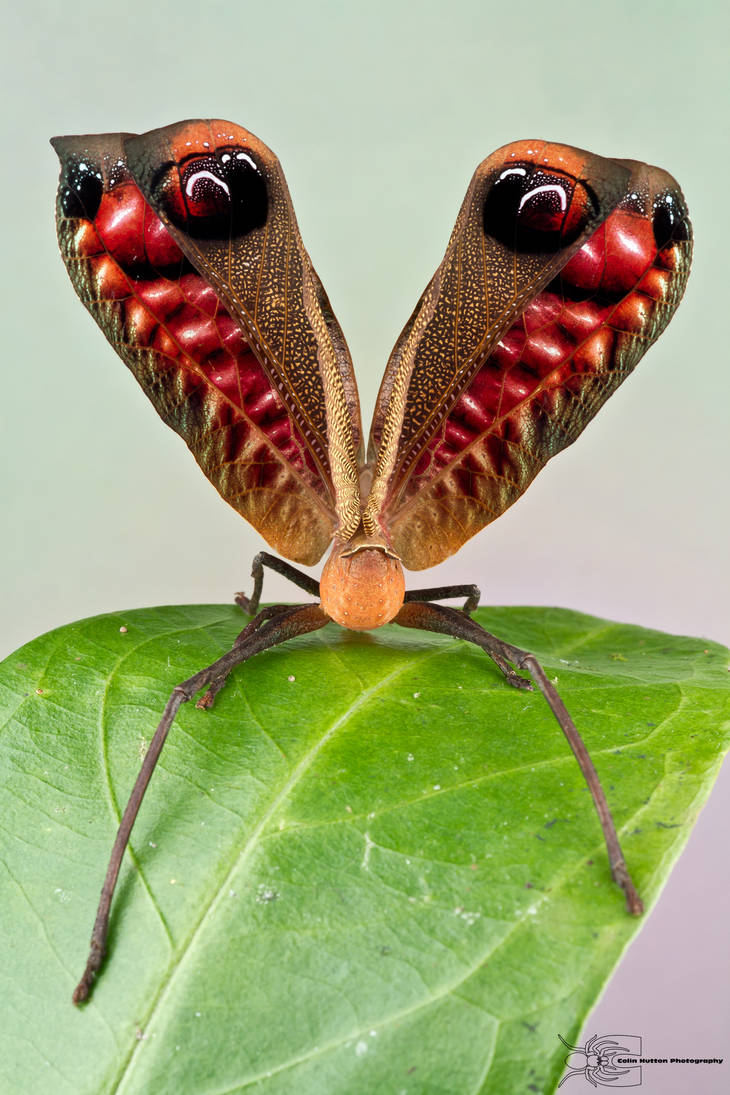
[(466, 915), (360, 1048), (366, 857), (266, 893)]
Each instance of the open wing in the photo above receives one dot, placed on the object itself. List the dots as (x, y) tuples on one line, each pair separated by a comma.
[(562, 269), (183, 245)]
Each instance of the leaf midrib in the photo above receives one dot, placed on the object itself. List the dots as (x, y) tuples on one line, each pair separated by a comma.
[(259, 832), (454, 984)]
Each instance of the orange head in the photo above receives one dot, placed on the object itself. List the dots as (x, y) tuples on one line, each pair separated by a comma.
[(362, 586)]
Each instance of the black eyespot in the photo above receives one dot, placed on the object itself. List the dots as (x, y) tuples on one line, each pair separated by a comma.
[(82, 193), (531, 209), (216, 197), (669, 222)]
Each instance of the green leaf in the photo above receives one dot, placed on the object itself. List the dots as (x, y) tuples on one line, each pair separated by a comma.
[(371, 867)]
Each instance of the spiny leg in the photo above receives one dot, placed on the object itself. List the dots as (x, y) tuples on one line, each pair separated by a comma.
[(206, 700), (445, 593), (448, 621), (264, 559), (277, 628)]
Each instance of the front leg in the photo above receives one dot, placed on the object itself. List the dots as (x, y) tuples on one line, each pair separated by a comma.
[(447, 621), (445, 593), (250, 604)]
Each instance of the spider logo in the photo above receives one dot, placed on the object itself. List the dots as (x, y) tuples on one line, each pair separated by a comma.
[(601, 1066)]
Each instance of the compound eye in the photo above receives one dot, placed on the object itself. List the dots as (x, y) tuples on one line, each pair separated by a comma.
[(669, 223), (216, 197), (535, 209), (82, 194)]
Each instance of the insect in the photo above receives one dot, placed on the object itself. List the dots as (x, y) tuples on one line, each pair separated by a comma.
[(562, 268), (605, 1059)]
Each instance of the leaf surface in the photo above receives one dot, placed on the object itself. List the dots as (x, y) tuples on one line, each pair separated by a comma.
[(372, 866)]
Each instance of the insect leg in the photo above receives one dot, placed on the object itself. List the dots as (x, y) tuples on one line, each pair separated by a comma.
[(265, 631), (264, 559), (443, 593), (571, 1048), (448, 621), (206, 700)]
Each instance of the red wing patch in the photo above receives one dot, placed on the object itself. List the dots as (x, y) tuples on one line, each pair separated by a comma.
[(550, 372), (190, 355)]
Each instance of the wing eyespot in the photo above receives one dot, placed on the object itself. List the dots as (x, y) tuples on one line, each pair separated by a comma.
[(669, 221), (532, 209), (83, 190), (215, 197)]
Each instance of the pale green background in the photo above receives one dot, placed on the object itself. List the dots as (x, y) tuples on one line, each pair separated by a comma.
[(379, 113)]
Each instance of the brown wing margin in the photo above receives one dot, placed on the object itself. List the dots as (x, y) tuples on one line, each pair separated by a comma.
[(184, 246), (562, 268)]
